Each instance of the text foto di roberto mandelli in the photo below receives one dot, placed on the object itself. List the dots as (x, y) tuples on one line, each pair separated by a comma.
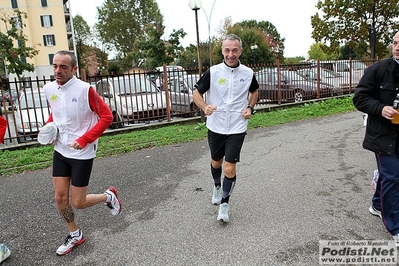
[(357, 251)]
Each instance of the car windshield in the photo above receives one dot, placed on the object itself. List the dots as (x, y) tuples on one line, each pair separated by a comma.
[(328, 73), (292, 76), (358, 65), (265, 77), (133, 86), (32, 101)]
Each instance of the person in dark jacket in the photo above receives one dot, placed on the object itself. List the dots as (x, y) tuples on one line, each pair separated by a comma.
[(374, 95)]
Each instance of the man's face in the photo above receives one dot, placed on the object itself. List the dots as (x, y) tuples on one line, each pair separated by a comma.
[(63, 70), (395, 46), (231, 52)]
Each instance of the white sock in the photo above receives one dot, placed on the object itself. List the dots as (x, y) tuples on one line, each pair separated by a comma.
[(109, 197), (75, 234)]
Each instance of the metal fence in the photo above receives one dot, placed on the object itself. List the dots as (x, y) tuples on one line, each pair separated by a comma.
[(161, 95)]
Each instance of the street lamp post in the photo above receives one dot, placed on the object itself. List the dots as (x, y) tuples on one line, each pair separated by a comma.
[(208, 19), (196, 5), (253, 49), (373, 26)]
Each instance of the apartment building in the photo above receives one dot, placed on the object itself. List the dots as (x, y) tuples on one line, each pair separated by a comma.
[(48, 27)]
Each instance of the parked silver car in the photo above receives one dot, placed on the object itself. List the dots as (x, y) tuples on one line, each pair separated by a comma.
[(181, 97), (348, 69), (133, 97)]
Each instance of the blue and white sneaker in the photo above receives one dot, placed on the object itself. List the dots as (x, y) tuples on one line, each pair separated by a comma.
[(4, 252), (223, 212), (217, 195)]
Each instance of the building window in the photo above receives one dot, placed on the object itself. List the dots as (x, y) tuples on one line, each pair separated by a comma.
[(49, 40), (44, 3), (47, 21), (14, 4), (50, 58), (16, 23)]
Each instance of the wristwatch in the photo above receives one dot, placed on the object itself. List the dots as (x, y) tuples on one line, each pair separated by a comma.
[(252, 109)]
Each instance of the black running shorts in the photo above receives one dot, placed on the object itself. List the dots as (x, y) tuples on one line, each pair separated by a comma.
[(228, 146), (78, 171)]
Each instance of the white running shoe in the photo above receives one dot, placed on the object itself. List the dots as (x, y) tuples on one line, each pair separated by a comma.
[(4, 252), (217, 195), (115, 204), (375, 212), (223, 212), (396, 238), (70, 243)]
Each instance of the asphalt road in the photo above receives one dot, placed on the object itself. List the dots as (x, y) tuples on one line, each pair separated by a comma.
[(297, 184)]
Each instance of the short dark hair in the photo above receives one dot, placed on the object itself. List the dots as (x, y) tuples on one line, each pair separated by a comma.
[(74, 61)]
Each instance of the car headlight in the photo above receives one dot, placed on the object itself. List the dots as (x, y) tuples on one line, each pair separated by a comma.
[(27, 125)]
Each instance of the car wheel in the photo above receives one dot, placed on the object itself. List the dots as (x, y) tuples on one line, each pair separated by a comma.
[(117, 121), (298, 96), (195, 111)]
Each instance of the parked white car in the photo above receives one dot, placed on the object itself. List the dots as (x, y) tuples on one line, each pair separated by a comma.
[(344, 67), (31, 113), (133, 97)]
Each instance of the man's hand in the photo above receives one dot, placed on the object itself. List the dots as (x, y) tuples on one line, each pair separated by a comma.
[(388, 112), (247, 113), (75, 145), (209, 109)]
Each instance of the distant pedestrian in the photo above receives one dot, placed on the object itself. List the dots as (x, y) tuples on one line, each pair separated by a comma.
[(375, 96), (81, 117), (231, 93)]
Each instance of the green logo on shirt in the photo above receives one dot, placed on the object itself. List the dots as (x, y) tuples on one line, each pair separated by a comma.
[(222, 81)]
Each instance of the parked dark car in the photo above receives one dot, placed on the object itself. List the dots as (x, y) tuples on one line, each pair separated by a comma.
[(12, 97), (336, 80), (291, 86), (305, 86), (3, 97)]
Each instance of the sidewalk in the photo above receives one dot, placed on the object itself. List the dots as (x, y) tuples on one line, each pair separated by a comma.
[(296, 184)]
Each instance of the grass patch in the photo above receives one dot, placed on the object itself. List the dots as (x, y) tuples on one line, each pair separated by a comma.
[(34, 158)]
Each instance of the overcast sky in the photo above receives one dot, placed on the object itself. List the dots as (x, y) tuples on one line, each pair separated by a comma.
[(290, 17)]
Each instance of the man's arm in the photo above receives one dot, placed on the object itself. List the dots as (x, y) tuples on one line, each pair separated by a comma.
[(102, 110)]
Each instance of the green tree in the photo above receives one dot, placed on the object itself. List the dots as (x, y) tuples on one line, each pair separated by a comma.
[(155, 52), (345, 22), (294, 60), (317, 51), (123, 24), (13, 48), (83, 37), (188, 58), (270, 35), (250, 36), (347, 52)]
